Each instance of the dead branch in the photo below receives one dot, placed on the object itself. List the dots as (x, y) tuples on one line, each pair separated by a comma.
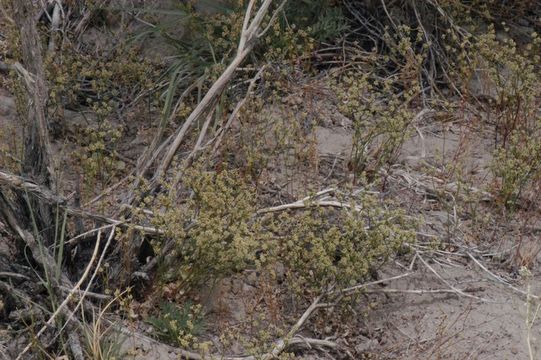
[(364, 286), (37, 159), (291, 339), (284, 342), (43, 194), (419, 291), (84, 293), (42, 256), (39, 254), (500, 280), (311, 201), (151, 153), (237, 109), (456, 290), (248, 38), (87, 17), (434, 186), (55, 26), (20, 183), (301, 341), (306, 204)]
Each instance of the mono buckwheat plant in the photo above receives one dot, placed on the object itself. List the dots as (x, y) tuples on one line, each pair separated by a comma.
[(514, 75), (321, 247), (223, 239)]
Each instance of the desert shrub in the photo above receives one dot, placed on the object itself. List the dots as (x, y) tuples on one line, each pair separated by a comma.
[(379, 98), (223, 238), (323, 19), (208, 41), (97, 155), (513, 76), (381, 117), (101, 81), (102, 86), (270, 136), (447, 30), (323, 246), (211, 38), (218, 233), (479, 56), (273, 135), (517, 166)]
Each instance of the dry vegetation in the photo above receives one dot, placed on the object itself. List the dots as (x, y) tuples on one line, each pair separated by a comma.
[(269, 180)]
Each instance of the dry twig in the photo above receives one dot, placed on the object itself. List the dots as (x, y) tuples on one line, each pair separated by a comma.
[(456, 290)]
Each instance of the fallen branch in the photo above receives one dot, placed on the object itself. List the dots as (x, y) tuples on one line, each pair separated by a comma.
[(364, 286), (19, 183), (302, 341), (42, 256), (434, 186), (37, 149), (55, 26), (310, 201), (420, 291), (39, 254), (500, 280), (456, 290), (305, 204), (238, 107), (290, 340), (284, 342)]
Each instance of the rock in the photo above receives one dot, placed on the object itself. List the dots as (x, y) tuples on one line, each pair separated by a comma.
[(212, 294)]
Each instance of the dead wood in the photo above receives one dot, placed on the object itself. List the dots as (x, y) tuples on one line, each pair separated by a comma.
[(37, 161)]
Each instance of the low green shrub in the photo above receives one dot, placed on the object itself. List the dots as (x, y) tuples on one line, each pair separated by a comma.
[(322, 246), (223, 238), (381, 119), (178, 326)]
